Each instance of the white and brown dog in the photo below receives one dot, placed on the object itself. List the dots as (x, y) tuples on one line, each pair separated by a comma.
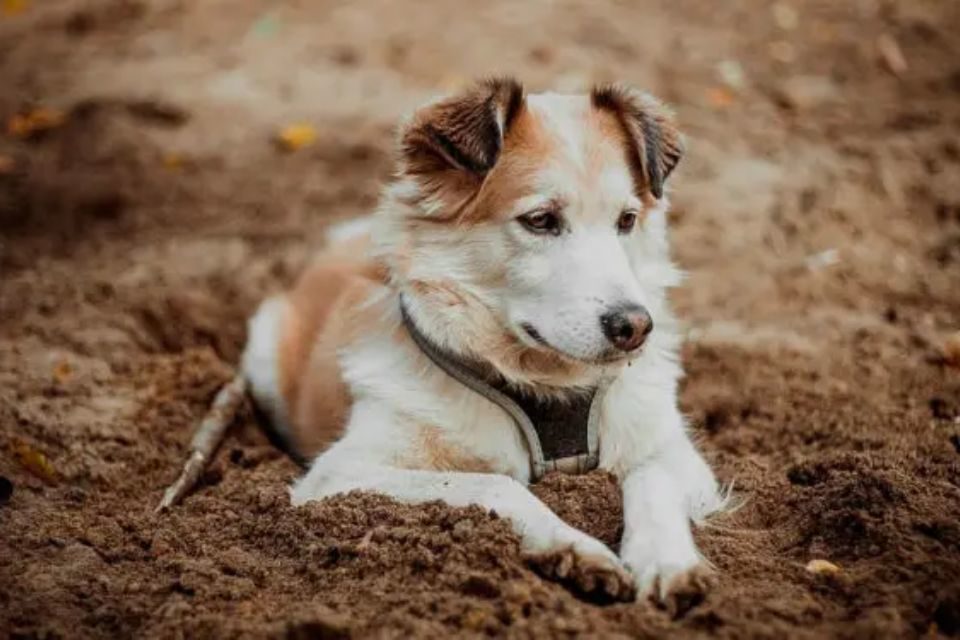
[(503, 313)]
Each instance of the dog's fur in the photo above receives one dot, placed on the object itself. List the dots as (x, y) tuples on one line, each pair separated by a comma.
[(335, 368)]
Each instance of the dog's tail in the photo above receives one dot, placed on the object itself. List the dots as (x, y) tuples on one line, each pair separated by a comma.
[(254, 380), (259, 377), (206, 439)]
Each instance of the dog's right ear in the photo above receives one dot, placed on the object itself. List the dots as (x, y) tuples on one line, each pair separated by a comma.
[(455, 142)]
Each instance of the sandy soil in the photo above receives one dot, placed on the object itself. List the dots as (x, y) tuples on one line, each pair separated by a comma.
[(818, 212)]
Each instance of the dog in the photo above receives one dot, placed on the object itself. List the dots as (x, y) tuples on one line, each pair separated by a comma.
[(501, 314)]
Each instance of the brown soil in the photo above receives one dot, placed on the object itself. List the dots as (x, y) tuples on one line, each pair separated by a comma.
[(138, 235)]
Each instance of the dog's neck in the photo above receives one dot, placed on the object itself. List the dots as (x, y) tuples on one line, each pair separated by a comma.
[(471, 333)]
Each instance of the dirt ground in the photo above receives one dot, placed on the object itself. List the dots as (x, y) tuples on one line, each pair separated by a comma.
[(144, 214)]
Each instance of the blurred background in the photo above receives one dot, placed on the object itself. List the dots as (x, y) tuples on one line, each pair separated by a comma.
[(164, 164)]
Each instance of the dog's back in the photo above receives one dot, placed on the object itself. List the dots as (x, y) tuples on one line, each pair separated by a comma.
[(295, 337)]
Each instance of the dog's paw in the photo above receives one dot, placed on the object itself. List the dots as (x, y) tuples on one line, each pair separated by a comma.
[(588, 567), (675, 587)]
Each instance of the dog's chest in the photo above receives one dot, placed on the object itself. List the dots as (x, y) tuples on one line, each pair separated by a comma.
[(431, 421), (472, 425)]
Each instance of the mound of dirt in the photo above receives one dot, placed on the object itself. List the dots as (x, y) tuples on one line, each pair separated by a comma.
[(145, 210)]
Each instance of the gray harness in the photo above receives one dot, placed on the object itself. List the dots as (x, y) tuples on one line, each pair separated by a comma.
[(561, 434)]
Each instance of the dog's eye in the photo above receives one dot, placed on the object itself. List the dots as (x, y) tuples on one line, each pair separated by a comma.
[(627, 221), (541, 222)]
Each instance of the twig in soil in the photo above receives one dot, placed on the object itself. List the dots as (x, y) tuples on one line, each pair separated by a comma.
[(892, 55), (206, 439)]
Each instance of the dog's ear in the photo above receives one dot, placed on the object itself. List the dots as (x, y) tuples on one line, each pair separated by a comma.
[(656, 145), (461, 136)]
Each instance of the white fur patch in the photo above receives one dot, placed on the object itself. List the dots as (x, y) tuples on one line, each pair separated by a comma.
[(349, 230), (260, 363)]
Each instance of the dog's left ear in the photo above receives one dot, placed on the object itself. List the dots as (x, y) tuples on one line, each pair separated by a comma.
[(656, 144), (458, 139)]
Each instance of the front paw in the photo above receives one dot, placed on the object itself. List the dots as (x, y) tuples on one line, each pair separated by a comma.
[(675, 585), (587, 566)]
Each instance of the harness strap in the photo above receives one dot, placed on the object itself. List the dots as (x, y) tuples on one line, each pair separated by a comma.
[(459, 370)]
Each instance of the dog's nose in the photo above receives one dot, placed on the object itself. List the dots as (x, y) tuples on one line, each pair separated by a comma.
[(627, 327)]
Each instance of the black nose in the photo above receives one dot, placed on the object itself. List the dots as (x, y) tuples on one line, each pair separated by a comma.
[(627, 327)]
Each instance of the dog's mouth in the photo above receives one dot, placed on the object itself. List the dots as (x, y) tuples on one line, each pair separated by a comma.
[(537, 338), (535, 335)]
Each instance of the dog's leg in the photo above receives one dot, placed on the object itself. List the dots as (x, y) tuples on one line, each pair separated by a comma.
[(660, 497), (555, 548), (666, 484)]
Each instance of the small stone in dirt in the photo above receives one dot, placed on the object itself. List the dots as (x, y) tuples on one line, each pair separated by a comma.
[(62, 372), (891, 55), (475, 619), (463, 529), (951, 349), (821, 260), (6, 490), (785, 16), (822, 567), (806, 92), (731, 73)]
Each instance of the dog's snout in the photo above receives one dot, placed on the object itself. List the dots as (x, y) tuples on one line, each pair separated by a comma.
[(627, 327)]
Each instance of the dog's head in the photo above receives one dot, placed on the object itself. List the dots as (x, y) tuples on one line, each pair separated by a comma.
[(529, 230)]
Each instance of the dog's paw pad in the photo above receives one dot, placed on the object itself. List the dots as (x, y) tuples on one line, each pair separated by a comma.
[(595, 576)]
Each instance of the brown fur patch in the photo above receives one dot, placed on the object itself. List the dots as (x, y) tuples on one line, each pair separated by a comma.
[(526, 148), (657, 145), (321, 318), (465, 131), (449, 146), (435, 453), (440, 291), (531, 146)]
